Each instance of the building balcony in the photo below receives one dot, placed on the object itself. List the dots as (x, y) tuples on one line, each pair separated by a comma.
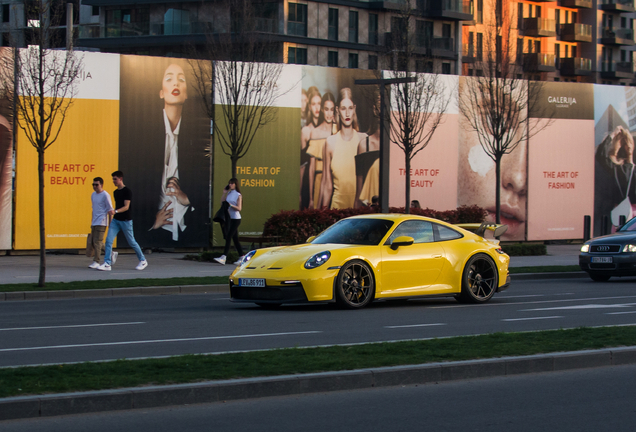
[(617, 6), (577, 3), (458, 10), (444, 48), (576, 32), (617, 70), (164, 28), (620, 36), (468, 53), (538, 62), (539, 27), (396, 42), (575, 66)]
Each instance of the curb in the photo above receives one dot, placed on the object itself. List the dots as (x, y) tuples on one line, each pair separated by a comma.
[(253, 388), (203, 289), (114, 292)]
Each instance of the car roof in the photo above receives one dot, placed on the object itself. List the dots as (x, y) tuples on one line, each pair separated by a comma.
[(395, 217)]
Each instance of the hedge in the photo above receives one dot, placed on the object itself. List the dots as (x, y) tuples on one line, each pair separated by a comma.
[(524, 249), (296, 226)]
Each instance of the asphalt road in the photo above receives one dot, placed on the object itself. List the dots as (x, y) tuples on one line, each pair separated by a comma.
[(601, 399), (44, 332)]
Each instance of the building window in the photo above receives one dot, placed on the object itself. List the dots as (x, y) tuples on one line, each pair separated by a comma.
[(423, 33), (6, 13), (176, 22), (373, 62), (480, 47), (446, 68), (353, 61), (479, 16), (127, 22), (353, 26), (373, 29), (6, 40), (297, 20), (424, 66), (332, 59), (333, 24), (95, 10), (296, 55)]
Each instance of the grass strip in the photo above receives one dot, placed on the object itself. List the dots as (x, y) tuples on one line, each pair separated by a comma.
[(123, 283), (194, 368), (545, 269)]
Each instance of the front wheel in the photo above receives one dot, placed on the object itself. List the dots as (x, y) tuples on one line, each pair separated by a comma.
[(596, 277), (479, 280), (355, 286)]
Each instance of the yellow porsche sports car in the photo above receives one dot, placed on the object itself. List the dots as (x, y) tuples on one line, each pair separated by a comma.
[(377, 257)]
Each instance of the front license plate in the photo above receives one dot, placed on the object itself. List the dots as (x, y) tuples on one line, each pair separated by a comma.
[(602, 260), (251, 282)]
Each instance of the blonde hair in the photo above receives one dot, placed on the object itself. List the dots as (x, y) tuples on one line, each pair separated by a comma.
[(346, 93)]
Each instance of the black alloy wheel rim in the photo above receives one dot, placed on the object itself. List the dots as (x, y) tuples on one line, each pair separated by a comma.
[(482, 279), (356, 284)]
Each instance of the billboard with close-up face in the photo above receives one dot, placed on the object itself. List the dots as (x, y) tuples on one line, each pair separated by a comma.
[(6, 157)]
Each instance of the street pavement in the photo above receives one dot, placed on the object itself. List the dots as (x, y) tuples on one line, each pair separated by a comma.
[(69, 267), (72, 267)]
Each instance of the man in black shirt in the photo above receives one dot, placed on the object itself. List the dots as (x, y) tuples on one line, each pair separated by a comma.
[(122, 221)]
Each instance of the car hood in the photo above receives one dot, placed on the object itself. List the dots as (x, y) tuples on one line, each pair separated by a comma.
[(626, 237), (280, 258)]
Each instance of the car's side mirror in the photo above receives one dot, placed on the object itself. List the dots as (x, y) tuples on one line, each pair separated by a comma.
[(310, 239), (401, 241)]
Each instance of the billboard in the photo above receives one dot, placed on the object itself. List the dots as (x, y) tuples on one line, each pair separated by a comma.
[(560, 160), (87, 147), (614, 185), (163, 135), (6, 154)]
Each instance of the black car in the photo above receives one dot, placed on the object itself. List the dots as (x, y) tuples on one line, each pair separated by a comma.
[(611, 255)]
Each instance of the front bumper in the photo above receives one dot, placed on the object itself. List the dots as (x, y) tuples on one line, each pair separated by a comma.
[(623, 264), (504, 286), (269, 294)]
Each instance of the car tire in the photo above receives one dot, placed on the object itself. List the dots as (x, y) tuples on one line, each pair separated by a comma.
[(480, 280), (597, 277), (355, 285)]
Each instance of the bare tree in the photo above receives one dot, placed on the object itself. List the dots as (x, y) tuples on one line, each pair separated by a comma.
[(497, 103), (44, 80), (243, 83), (417, 107)]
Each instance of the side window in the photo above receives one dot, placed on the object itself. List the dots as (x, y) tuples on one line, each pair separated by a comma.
[(421, 231), (445, 233)]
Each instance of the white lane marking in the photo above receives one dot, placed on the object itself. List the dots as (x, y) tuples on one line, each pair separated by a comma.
[(532, 318), (619, 313), (415, 325), (531, 302), (587, 306), (71, 326), (156, 341)]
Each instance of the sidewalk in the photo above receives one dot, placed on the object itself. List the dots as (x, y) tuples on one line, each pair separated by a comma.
[(69, 268)]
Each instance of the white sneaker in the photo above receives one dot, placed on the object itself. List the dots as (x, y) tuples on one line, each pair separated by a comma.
[(238, 262), (220, 260), (114, 257), (104, 267), (142, 265), (94, 265)]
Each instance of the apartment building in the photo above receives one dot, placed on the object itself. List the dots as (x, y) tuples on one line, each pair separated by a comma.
[(566, 40)]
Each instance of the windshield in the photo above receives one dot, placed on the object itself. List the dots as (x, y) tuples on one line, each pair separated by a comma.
[(629, 226), (355, 232)]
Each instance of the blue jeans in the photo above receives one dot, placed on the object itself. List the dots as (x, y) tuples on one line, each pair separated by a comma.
[(127, 228)]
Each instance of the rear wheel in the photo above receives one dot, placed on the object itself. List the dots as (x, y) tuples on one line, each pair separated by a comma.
[(355, 286), (597, 277), (479, 280)]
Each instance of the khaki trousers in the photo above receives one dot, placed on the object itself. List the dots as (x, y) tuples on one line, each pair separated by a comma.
[(98, 232)]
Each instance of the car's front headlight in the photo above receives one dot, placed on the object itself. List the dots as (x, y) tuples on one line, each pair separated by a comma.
[(317, 260), (585, 248), (629, 248), (248, 256)]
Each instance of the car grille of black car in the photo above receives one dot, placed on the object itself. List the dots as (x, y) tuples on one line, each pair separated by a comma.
[(605, 248)]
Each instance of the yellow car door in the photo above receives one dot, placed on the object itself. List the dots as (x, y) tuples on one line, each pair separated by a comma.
[(411, 269)]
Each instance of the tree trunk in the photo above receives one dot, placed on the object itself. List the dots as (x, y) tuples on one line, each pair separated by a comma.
[(234, 163), (407, 184), (42, 278), (498, 190)]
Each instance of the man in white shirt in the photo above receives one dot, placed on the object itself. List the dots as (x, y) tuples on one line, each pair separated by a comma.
[(102, 205), (173, 203)]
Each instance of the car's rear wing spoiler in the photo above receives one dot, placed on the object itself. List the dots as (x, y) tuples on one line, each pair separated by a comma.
[(480, 228)]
